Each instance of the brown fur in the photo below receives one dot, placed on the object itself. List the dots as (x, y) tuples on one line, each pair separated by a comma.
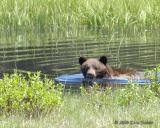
[(99, 69), (120, 71)]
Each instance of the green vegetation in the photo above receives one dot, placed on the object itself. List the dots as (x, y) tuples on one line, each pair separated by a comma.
[(81, 112), (153, 75), (62, 14), (92, 109), (30, 94), (30, 101)]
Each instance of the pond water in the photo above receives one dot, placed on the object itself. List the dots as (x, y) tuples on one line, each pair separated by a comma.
[(57, 53)]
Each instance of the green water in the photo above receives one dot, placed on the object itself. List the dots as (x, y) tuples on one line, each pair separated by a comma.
[(56, 53)]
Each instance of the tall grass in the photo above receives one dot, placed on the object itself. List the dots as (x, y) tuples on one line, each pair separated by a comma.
[(77, 113), (63, 14)]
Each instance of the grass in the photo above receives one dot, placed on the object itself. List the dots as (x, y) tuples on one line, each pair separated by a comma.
[(131, 106), (61, 14), (76, 112)]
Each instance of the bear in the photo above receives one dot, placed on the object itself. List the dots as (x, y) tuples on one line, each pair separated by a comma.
[(93, 68)]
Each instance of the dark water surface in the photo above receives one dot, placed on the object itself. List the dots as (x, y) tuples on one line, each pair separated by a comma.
[(55, 54)]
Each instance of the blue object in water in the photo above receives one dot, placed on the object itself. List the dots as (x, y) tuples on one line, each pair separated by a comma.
[(78, 79)]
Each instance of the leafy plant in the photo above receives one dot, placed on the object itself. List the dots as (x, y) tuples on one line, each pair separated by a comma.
[(96, 97), (128, 95), (154, 76), (134, 94), (29, 93)]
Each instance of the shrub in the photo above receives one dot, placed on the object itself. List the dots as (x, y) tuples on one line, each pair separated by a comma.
[(95, 97), (29, 93), (129, 95), (154, 76), (134, 94)]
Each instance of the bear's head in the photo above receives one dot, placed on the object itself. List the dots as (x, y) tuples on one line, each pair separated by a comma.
[(94, 68)]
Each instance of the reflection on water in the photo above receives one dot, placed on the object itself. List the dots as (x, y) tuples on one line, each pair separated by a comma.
[(55, 56)]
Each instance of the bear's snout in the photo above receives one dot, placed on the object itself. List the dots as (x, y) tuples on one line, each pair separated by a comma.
[(91, 74)]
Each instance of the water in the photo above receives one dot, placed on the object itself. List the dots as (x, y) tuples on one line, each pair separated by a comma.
[(57, 53)]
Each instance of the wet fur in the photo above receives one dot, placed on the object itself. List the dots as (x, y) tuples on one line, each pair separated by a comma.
[(122, 71), (110, 72)]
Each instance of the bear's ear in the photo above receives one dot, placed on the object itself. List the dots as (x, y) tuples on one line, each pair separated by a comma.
[(103, 59), (82, 60)]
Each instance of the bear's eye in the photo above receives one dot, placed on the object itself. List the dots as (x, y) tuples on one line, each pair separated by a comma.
[(86, 68), (95, 68)]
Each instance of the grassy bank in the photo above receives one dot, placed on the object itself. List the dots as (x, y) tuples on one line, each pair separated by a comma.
[(62, 14), (79, 112)]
